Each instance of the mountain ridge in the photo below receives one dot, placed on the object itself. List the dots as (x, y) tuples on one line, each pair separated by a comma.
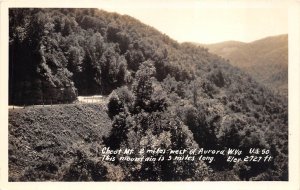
[(160, 94), (263, 59)]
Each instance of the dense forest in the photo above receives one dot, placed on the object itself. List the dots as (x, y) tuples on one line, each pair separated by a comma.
[(266, 60), (161, 94)]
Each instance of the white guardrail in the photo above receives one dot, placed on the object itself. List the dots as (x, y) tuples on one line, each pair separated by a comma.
[(80, 100), (90, 99)]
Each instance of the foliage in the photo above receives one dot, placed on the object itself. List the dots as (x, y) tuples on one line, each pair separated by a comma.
[(162, 94)]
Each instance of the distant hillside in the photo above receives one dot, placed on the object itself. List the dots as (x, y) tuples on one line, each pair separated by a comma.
[(266, 59)]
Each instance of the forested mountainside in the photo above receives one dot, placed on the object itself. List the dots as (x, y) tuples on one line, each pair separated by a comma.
[(266, 59), (162, 94)]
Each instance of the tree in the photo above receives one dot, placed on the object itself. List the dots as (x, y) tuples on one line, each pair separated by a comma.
[(142, 85)]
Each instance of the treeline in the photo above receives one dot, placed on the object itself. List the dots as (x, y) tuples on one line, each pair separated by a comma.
[(176, 95), (176, 115), (61, 53)]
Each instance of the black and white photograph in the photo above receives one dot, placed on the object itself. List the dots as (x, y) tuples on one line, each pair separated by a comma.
[(156, 93)]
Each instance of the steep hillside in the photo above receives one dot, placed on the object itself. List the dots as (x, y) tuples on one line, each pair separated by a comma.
[(43, 140), (162, 94), (266, 59)]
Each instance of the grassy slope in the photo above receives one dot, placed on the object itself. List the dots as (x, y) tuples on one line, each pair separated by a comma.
[(46, 138)]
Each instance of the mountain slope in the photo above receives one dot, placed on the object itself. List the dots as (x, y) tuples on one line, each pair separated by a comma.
[(161, 94), (266, 59), (37, 133)]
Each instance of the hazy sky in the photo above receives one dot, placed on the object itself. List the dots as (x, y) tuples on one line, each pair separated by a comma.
[(207, 23)]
